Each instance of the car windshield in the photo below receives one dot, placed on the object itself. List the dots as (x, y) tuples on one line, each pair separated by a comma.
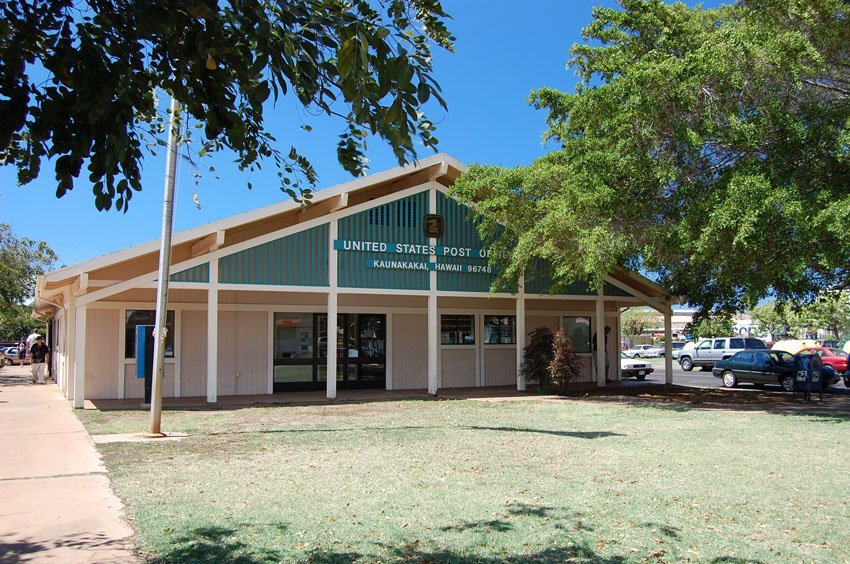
[(781, 356)]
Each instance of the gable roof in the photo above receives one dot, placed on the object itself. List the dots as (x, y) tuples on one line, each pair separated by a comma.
[(441, 168), (243, 227)]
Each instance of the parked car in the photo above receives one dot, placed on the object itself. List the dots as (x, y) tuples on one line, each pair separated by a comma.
[(711, 350), (641, 351), (12, 356), (794, 346), (760, 367), (677, 351), (675, 346), (836, 358), (630, 368)]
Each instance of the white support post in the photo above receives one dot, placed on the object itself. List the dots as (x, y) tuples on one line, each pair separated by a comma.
[(178, 351), (120, 370), (70, 345), (520, 333), (332, 344), (433, 344), (668, 348), (212, 333), (332, 310), (600, 342), (388, 351), (80, 359), (270, 365), (433, 319)]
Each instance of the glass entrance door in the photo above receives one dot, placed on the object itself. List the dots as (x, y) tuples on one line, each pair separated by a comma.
[(361, 350), (301, 350)]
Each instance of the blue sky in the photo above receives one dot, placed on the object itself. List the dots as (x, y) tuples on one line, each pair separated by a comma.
[(504, 50)]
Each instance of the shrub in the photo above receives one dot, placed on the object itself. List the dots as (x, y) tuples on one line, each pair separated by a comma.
[(537, 356), (565, 364)]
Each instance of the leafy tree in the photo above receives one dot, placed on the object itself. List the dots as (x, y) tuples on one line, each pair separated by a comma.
[(831, 311), (636, 321), (708, 147), (772, 318), (78, 81), (17, 322), (21, 261), (716, 325)]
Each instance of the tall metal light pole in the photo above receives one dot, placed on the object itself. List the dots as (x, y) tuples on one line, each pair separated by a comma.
[(160, 330)]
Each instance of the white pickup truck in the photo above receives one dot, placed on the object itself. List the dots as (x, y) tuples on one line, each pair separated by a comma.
[(709, 351)]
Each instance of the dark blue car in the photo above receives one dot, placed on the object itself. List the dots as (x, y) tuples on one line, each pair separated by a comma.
[(760, 367)]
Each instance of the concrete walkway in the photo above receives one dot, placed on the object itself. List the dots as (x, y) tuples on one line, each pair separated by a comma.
[(56, 503)]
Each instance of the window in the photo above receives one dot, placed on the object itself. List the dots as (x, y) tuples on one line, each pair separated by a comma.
[(746, 357), (457, 330), (704, 346), (499, 329), (719, 344), (136, 317), (578, 329), (293, 335), (736, 344)]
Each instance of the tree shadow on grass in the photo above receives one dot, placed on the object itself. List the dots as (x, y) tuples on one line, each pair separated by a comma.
[(835, 405), (79, 547), (217, 544), (573, 434), (554, 514), (412, 552), (666, 530), (495, 525)]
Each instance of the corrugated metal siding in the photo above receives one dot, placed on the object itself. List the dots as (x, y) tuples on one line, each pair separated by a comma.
[(200, 273), (539, 280), (395, 222), (300, 259), (461, 230), (611, 290)]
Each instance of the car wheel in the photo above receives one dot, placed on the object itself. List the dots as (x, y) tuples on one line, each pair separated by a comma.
[(729, 379), (788, 383), (641, 377), (636, 355), (686, 364), (847, 381)]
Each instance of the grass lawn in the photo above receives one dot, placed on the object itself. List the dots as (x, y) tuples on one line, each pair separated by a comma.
[(472, 481)]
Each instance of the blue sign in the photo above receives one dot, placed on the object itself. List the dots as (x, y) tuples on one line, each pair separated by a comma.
[(410, 249), (429, 266)]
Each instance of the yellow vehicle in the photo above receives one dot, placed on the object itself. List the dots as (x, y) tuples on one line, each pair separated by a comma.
[(794, 346)]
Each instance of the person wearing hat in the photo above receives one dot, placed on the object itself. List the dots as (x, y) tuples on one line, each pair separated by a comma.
[(30, 342), (38, 352)]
